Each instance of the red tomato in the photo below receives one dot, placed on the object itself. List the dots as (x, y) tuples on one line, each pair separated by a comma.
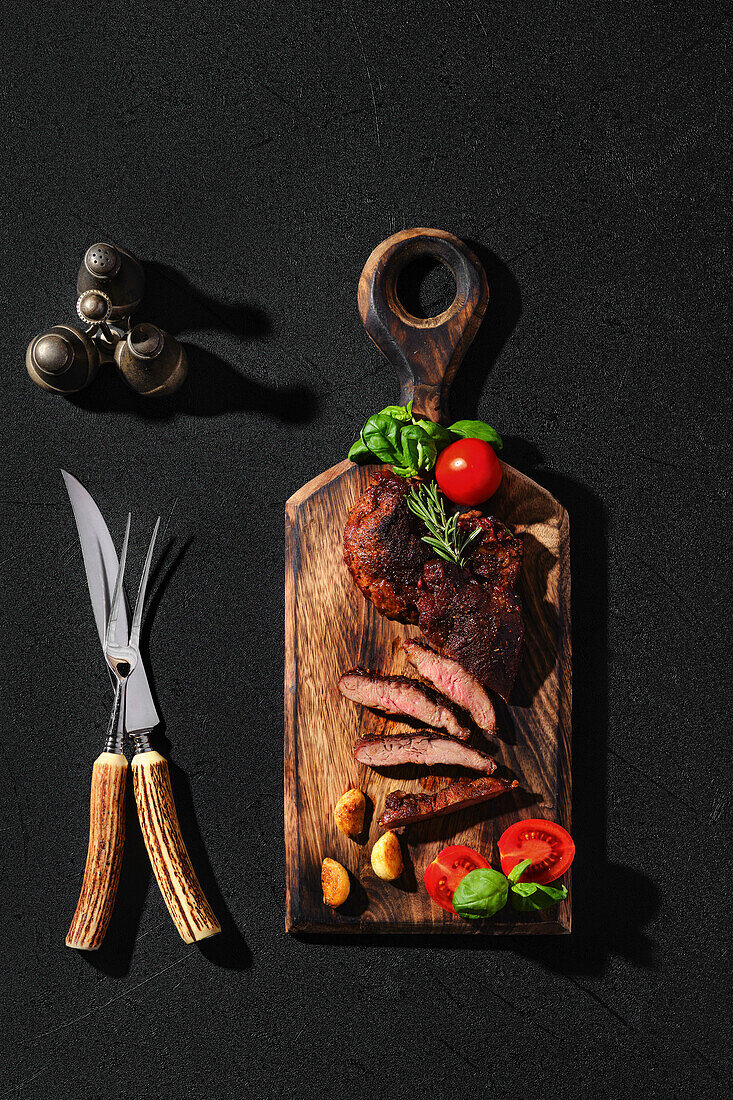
[(468, 471), (550, 847), (446, 871)]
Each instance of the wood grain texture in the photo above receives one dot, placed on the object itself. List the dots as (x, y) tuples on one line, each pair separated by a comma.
[(425, 352), (104, 853), (182, 893), (330, 627)]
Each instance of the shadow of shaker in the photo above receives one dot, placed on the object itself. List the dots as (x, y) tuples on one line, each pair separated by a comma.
[(213, 386)]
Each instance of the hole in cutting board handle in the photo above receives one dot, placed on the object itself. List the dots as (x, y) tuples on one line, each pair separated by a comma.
[(426, 287), (422, 252)]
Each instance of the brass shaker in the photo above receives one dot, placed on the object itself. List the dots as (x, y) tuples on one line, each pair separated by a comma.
[(62, 360), (109, 287), (116, 275), (151, 361)]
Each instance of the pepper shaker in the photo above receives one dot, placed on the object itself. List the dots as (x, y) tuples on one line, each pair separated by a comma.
[(62, 360), (151, 361)]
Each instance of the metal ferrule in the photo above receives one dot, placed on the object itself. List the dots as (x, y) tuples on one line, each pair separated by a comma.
[(113, 743), (141, 741)]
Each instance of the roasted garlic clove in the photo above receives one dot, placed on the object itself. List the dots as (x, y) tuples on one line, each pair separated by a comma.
[(349, 812), (335, 883), (387, 861)]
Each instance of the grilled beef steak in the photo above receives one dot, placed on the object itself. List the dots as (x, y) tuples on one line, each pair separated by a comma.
[(454, 681), (420, 748), (400, 695), (478, 625), (471, 615), (401, 808), (496, 555), (383, 549)]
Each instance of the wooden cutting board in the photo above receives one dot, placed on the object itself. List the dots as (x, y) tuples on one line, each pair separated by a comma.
[(330, 628)]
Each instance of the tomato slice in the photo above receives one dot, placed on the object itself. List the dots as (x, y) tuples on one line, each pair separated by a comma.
[(550, 847), (446, 871)]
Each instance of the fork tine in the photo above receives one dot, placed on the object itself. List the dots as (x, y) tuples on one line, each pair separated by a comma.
[(111, 633), (137, 616)]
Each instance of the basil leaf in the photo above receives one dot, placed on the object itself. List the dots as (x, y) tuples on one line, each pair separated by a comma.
[(390, 426), (360, 453), (441, 435), (418, 449), (402, 413), (477, 429), (527, 905), (481, 893), (381, 435), (559, 893), (530, 897), (516, 872), (524, 889), (408, 469)]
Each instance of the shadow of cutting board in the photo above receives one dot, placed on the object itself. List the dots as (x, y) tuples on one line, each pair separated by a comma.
[(330, 628)]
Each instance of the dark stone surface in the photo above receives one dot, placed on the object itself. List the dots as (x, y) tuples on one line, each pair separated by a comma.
[(252, 156)]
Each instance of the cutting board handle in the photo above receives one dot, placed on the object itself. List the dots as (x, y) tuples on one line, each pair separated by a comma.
[(425, 352)]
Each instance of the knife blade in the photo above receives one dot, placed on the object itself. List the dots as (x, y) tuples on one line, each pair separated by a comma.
[(100, 566)]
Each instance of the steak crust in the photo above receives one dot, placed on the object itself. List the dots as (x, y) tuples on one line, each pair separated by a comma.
[(478, 625), (496, 554), (401, 808), (383, 548)]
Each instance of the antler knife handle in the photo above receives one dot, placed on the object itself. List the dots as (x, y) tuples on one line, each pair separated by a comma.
[(182, 893), (425, 352), (104, 854)]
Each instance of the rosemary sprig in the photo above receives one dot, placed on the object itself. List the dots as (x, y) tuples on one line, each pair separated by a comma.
[(447, 541)]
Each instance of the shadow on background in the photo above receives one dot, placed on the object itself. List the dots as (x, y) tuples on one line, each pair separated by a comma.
[(213, 386), (611, 904), (501, 317), (228, 949)]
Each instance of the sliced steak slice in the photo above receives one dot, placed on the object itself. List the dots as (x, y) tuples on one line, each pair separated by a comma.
[(454, 681), (401, 808), (400, 695), (477, 624), (420, 748), (383, 549)]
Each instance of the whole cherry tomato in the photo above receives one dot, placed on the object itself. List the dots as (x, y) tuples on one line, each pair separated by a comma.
[(468, 471)]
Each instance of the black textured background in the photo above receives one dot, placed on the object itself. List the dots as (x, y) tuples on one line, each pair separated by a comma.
[(253, 155)]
